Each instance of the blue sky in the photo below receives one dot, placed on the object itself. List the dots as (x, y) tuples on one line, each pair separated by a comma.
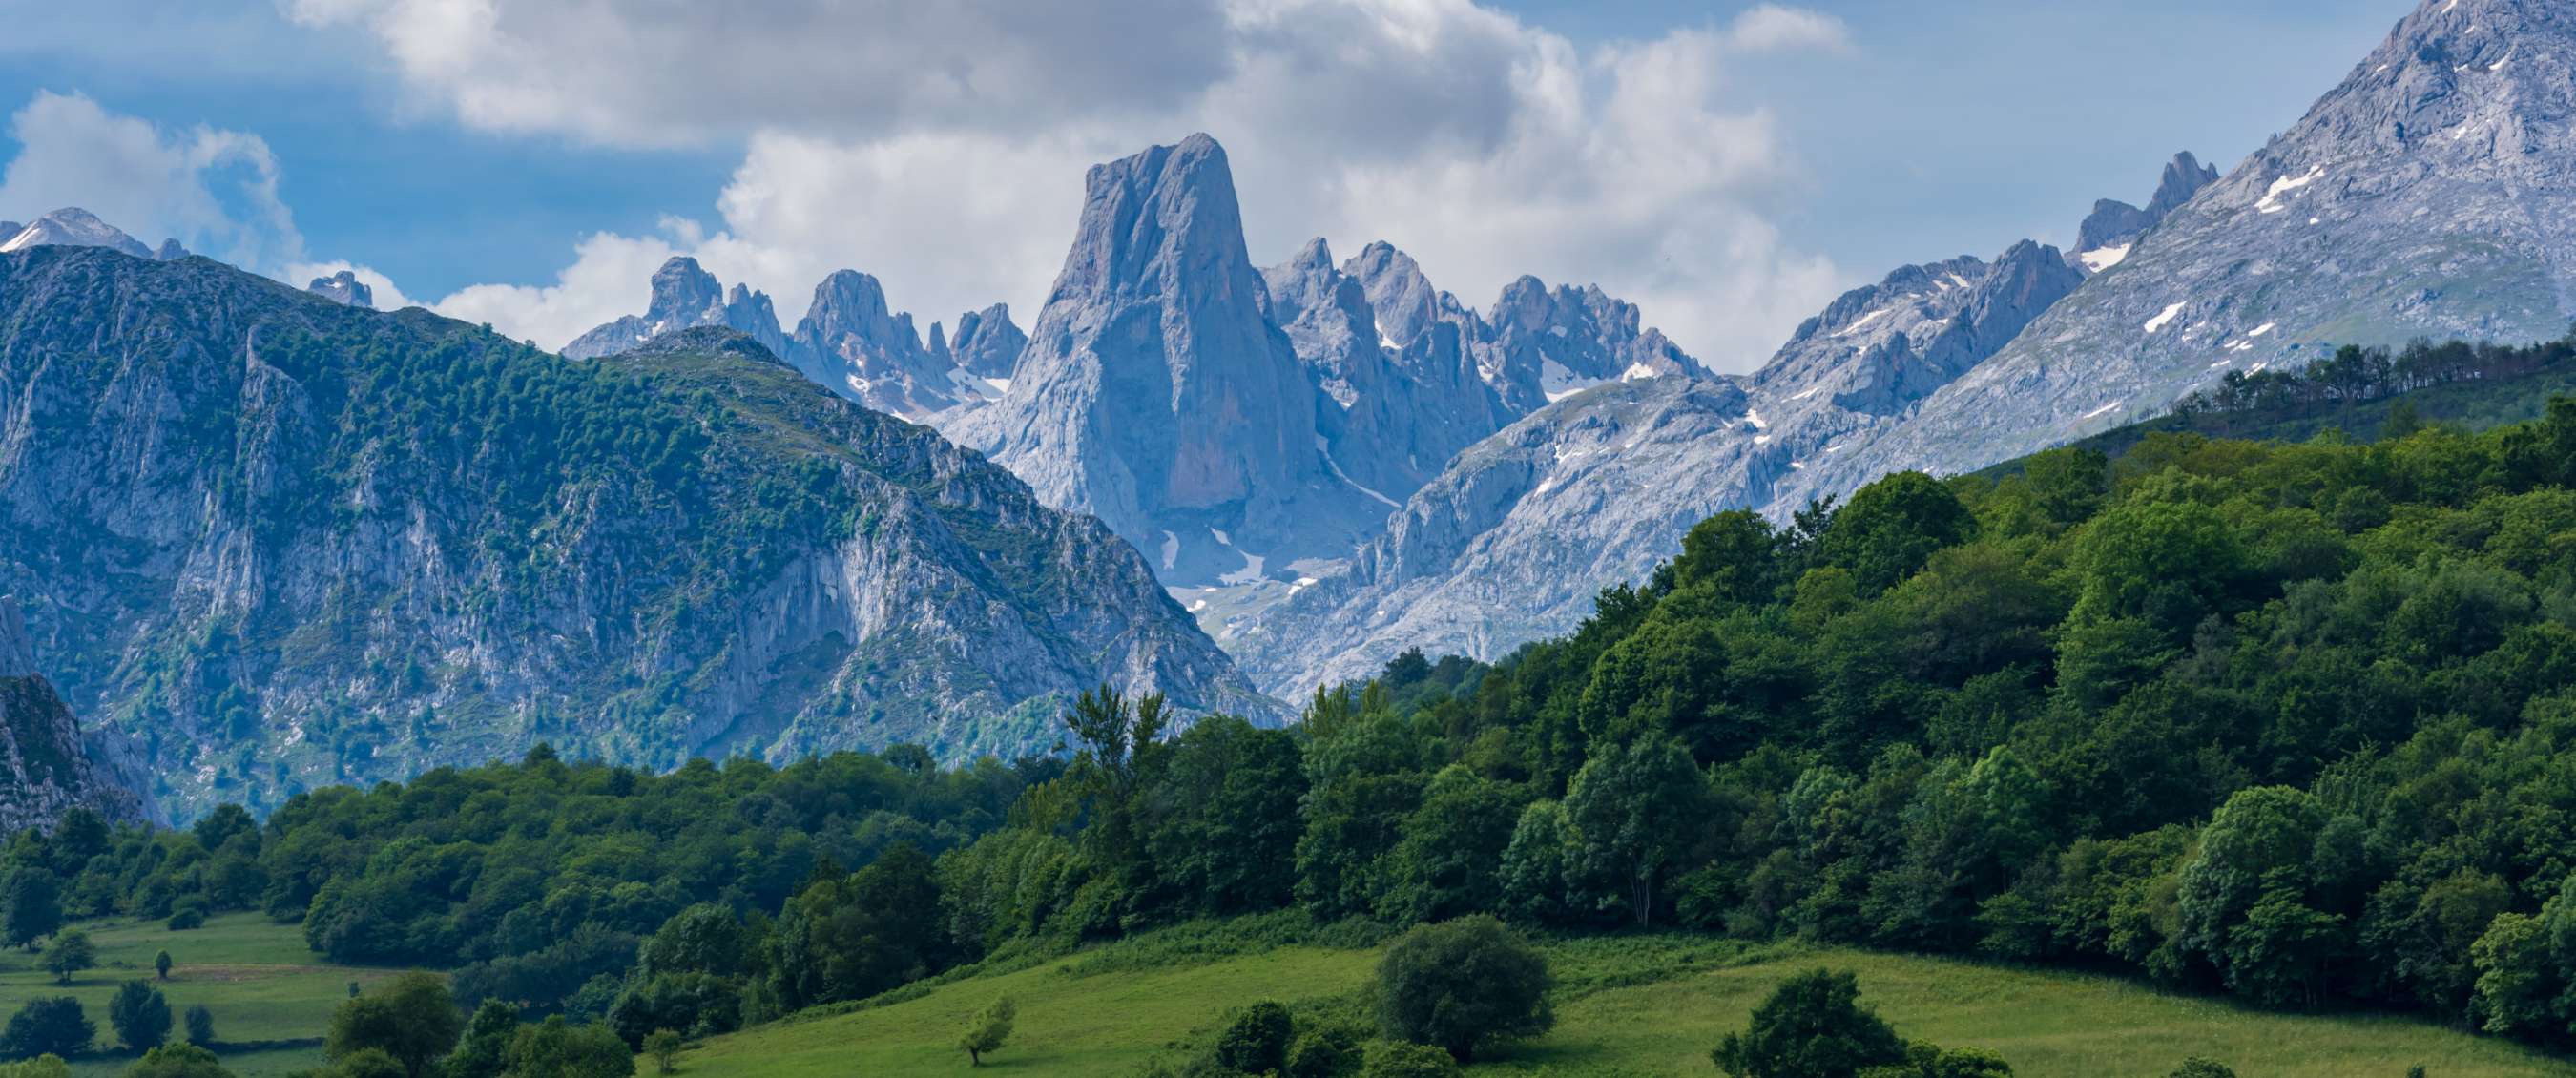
[(1728, 166)]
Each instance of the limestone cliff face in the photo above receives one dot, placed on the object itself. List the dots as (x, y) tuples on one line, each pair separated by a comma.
[(281, 542), (2432, 193), (47, 767), (685, 296), (1156, 394)]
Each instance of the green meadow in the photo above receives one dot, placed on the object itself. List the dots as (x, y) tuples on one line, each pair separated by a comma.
[(1651, 1005), (270, 996)]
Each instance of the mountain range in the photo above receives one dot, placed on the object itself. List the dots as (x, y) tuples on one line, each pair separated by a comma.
[(1315, 465)]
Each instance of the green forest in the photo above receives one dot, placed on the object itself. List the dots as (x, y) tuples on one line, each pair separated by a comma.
[(2289, 723)]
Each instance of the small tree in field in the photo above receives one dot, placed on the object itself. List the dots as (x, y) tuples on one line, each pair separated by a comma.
[(140, 1015), (987, 1030), (201, 1025), (161, 965), (69, 953), (664, 1047)]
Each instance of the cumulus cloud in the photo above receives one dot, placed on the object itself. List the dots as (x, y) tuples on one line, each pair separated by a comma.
[(682, 72), (941, 147), (213, 190)]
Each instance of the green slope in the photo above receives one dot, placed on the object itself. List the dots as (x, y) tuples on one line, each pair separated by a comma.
[(1651, 1005)]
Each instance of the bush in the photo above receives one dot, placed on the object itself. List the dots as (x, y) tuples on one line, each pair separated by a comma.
[(1323, 1053), (1813, 1026), (411, 1018), (2196, 1067), (1463, 985), (140, 1015), (201, 1025), (559, 1049), (1256, 1042), (1399, 1059), (178, 1061), (364, 1063), (51, 1025), (187, 918)]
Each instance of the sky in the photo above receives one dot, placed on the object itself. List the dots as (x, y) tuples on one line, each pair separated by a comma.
[(1728, 166)]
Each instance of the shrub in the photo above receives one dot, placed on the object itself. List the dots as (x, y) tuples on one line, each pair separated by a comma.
[(1399, 1059), (1256, 1042), (1462, 985), (1813, 1026), (178, 1061), (201, 1025), (50, 1025)]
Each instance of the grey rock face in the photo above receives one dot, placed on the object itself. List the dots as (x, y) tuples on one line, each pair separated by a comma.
[(9, 230), (1156, 394), (344, 288), (2107, 236), (47, 766), (685, 296), (73, 226), (176, 486), (1514, 540), (1878, 349), (170, 251), (987, 344), (849, 341), (2433, 193), (17, 655), (1547, 344), (1394, 408)]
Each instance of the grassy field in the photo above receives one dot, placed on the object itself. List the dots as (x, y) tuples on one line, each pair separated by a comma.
[(1626, 1006), (255, 975)]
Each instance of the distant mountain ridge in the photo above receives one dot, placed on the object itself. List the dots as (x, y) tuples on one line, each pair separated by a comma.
[(848, 340), (280, 542)]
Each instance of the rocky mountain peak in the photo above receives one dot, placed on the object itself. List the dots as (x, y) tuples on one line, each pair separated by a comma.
[(1158, 395), (73, 226), (170, 251), (683, 294), (853, 341), (987, 344), (2112, 230), (2184, 177), (1403, 298), (345, 288)]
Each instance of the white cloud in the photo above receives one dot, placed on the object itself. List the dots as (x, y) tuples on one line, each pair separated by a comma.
[(213, 190), (682, 72), (1771, 27), (941, 147)]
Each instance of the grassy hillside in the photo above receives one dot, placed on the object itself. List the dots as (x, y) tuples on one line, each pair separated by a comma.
[(257, 976), (1650, 1005)]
